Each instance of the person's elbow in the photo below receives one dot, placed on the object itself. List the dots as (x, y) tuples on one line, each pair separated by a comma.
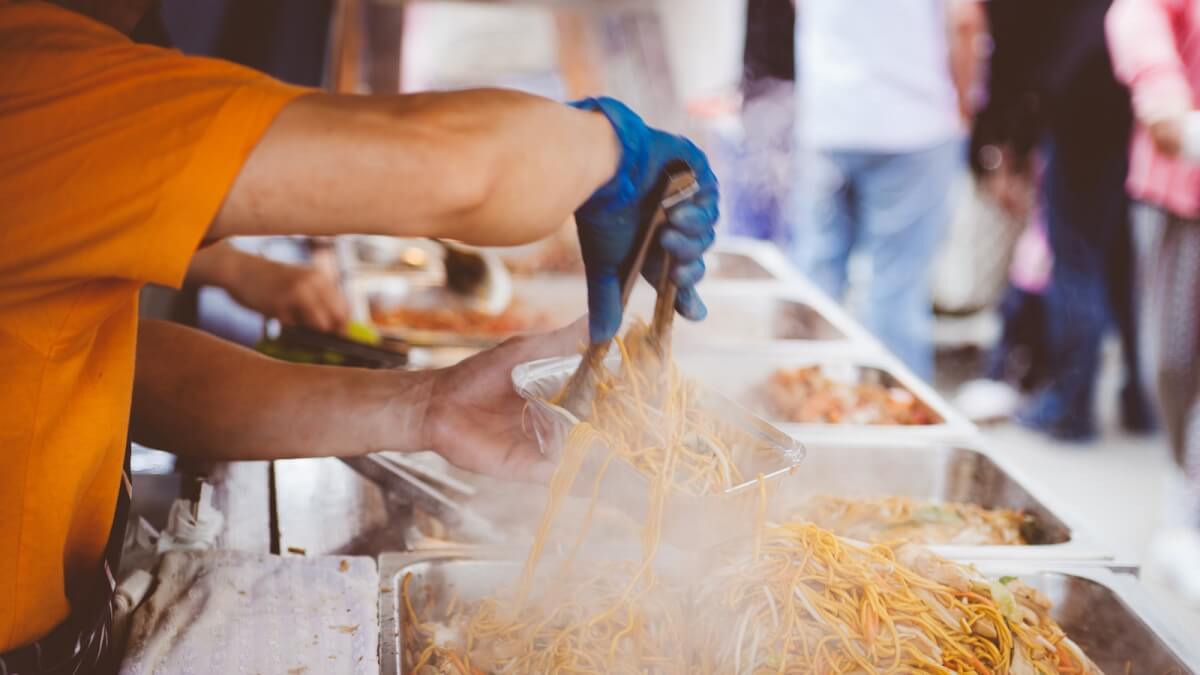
[(501, 167)]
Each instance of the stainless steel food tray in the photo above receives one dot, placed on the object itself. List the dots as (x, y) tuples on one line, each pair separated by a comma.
[(734, 266), (735, 260), (946, 473), (744, 258), (737, 313), (937, 472), (741, 373), (747, 312), (730, 259), (1108, 614)]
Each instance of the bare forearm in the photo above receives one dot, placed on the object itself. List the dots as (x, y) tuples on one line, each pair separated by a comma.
[(482, 166), (198, 396), (214, 265), (968, 24)]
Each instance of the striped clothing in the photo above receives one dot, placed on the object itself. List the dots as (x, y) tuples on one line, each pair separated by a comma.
[(1155, 47)]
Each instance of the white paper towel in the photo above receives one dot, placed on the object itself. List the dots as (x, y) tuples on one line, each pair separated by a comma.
[(236, 612)]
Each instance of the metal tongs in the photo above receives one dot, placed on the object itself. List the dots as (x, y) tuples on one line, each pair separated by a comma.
[(678, 182), (436, 492)]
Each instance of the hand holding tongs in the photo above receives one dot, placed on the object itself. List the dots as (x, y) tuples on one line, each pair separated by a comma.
[(678, 183)]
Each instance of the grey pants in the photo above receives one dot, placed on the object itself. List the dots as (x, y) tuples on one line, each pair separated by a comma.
[(1168, 261)]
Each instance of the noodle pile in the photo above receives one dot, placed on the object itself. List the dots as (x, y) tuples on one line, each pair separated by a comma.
[(650, 414), (593, 628), (809, 395), (459, 320), (903, 519), (814, 602), (793, 598)]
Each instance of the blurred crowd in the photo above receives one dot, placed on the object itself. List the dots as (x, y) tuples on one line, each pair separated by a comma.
[(1076, 123)]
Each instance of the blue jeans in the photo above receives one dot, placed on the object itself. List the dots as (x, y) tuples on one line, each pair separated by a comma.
[(893, 207), (1086, 212)]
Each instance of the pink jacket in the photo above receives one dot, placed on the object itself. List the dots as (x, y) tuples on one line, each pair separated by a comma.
[(1155, 47)]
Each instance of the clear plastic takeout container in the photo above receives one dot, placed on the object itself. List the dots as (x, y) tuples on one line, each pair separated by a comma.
[(760, 450)]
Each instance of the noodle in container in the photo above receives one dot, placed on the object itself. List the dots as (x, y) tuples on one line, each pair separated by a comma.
[(759, 455)]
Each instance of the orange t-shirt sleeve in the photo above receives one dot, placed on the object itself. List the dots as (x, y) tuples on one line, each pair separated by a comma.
[(115, 157)]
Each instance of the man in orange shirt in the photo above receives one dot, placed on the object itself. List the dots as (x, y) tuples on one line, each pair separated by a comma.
[(117, 161)]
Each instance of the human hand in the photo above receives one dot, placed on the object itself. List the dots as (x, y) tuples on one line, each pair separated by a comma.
[(476, 420), (610, 220), (1013, 193), (1006, 182), (294, 294), (1167, 134)]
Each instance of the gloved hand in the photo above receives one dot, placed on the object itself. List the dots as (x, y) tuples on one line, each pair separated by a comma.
[(610, 220)]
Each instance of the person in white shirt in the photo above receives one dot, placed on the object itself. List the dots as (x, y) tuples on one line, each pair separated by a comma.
[(881, 102)]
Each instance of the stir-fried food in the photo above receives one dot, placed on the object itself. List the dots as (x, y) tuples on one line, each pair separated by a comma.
[(903, 519), (809, 395), (589, 621), (459, 320), (653, 418), (812, 602), (792, 598), (807, 602), (1040, 645)]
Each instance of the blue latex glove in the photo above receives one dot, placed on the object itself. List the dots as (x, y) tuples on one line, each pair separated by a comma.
[(610, 220)]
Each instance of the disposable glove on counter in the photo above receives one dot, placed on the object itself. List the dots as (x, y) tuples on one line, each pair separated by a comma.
[(610, 219)]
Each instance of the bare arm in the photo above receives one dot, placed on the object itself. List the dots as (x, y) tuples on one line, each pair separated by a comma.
[(199, 396), (1145, 56), (490, 167), (968, 23), (295, 294), (214, 265)]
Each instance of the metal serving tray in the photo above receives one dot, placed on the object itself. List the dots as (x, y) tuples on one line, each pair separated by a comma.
[(749, 312), (1108, 614), (722, 266), (742, 375), (737, 312), (733, 266), (942, 473), (730, 259), (744, 258)]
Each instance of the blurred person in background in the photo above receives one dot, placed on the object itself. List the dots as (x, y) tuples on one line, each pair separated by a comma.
[(296, 295), (882, 95), (1052, 92), (1156, 50), (1020, 361), (759, 188)]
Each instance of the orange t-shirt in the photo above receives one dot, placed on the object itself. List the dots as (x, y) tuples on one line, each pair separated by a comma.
[(114, 159)]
